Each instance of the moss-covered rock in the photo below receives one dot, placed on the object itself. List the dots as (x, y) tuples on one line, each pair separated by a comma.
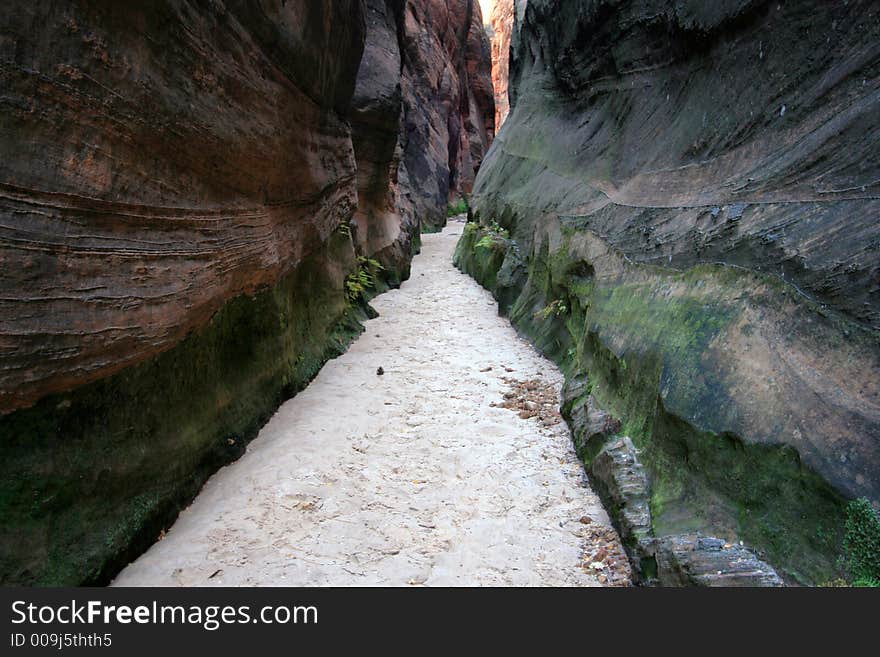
[(664, 352), (89, 479)]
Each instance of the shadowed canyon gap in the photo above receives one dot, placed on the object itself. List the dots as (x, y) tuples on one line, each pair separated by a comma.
[(680, 208)]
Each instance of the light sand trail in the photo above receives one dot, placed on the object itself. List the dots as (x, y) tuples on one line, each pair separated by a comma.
[(407, 478)]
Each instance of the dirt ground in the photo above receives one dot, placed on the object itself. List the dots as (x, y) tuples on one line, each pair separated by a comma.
[(450, 468)]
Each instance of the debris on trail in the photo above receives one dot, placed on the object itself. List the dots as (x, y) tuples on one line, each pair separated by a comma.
[(532, 399), (604, 555), (409, 479)]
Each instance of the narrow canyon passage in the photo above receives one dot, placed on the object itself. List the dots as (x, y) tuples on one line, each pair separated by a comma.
[(677, 203), (421, 475)]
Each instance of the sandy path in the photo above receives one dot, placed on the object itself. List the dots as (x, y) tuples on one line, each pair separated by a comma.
[(407, 478)]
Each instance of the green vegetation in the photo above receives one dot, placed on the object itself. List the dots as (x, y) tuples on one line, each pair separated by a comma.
[(498, 231), (556, 307), (481, 251), (461, 207), (362, 279), (493, 237), (861, 543)]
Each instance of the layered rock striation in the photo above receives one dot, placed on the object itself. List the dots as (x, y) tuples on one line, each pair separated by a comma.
[(195, 204), (147, 177), (683, 205)]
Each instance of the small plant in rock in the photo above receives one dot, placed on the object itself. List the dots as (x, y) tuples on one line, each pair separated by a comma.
[(356, 284), (457, 208), (495, 237), (498, 231), (372, 263), (487, 241), (556, 308), (861, 542), (364, 278)]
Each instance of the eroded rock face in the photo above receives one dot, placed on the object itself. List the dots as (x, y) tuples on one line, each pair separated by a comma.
[(695, 184), (183, 193), (383, 228), (617, 469), (735, 131), (480, 118), (448, 117), (709, 561), (617, 474), (148, 179), (502, 20), (171, 188)]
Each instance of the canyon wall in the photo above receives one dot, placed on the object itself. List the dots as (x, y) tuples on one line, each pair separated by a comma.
[(195, 205), (448, 104), (683, 208), (501, 26)]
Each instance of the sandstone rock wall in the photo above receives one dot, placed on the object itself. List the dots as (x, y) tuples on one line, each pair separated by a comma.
[(383, 228), (480, 118), (448, 104), (502, 21), (691, 195), (148, 177), (184, 191)]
